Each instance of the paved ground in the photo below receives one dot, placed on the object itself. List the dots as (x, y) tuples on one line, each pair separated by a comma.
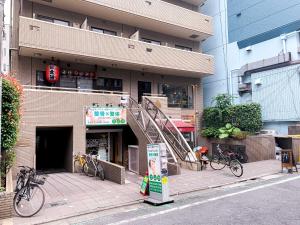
[(273, 200), (70, 195)]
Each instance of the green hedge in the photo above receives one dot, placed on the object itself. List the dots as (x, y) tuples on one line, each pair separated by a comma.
[(247, 117), (11, 102)]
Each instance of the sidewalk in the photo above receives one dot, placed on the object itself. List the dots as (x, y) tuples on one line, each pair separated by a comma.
[(69, 195)]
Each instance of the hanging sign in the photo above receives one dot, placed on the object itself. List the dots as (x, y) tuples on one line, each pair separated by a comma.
[(52, 73), (97, 116)]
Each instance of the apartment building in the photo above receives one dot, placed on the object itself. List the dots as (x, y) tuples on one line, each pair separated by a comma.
[(86, 65), (257, 57)]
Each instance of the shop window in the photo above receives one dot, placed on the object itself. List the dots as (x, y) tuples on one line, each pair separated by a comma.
[(104, 31), (40, 78), (180, 96), (183, 48), (151, 41), (53, 20), (109, 84)]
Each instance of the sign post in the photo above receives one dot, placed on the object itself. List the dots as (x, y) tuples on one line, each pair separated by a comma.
[(158, 174)]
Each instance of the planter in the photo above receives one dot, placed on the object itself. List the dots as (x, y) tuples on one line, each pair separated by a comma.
[(6, 198)]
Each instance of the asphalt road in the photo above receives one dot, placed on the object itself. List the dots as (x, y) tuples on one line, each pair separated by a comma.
[(270, 201)]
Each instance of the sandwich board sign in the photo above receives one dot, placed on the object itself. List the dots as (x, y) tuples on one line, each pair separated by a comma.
[(158, 174)]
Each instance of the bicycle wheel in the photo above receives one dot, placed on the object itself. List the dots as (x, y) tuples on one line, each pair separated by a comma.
[(89, 169), (217, 162), (29, 201), (100, 171), (236, 168), (77, 166)]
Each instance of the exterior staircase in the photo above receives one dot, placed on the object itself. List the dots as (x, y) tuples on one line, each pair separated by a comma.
[(151, 125)]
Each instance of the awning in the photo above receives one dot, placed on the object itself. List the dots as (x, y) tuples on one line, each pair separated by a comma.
[(184, 127)]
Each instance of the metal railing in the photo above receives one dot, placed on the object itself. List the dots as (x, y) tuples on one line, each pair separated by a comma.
[(170, 131), (49, 88), (148, 126)]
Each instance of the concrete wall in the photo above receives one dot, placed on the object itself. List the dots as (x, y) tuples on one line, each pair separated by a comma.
[(113, 172), (257, 147)]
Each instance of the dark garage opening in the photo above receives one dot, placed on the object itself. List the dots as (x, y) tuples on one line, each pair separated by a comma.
[(54, 150)]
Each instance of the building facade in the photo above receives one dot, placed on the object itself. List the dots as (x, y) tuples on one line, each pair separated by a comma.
[(80, 59), (256, 48)]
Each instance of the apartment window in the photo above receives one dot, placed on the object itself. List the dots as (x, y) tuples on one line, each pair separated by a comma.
[(183, 47), (109, 84), (151, 41), (179, 96), (53, 20), (104, 31)]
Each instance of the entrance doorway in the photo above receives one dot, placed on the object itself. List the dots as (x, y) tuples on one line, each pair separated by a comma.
[(54, 148), (144, 87)]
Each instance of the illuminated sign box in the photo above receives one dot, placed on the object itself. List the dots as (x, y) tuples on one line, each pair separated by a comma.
[(103, 116)]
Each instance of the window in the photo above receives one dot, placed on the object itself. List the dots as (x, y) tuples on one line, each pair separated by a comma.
[(180, 96), (109, 84), (53, 20), (151, 41), (183, 47), (104, 31)]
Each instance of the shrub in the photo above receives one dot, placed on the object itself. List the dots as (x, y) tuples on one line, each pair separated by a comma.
[(247, 117), (210, 132), (228, 131), (11, 102)]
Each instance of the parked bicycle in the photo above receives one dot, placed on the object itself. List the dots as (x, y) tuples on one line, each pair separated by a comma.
[(220, 160), (92, 166), (30, 197), (79, 161)]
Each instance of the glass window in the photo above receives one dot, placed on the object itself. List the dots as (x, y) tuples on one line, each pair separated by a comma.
[(183, 47), (104, 31), (180, 96), (108, 84), (53, 20), (151, 41)]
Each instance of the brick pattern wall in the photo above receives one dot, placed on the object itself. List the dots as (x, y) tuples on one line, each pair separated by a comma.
[(6, 202), (113, 172)]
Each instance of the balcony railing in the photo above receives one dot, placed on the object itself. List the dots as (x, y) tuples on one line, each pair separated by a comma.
[(46, 40), (153, 15)]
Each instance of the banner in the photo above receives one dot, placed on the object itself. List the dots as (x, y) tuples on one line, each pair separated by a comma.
[(102, 116)]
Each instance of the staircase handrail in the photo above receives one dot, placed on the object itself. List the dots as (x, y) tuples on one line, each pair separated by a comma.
[(187, 147), (133, 102)]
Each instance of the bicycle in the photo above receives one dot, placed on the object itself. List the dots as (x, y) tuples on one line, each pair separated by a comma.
[(218, 162), (30, 197), (93, 167), (79, 161)]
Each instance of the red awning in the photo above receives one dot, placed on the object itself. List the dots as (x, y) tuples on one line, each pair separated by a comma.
[(184, 127)]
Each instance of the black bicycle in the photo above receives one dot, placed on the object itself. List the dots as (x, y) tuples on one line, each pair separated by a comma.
[(92, 166), (220, 160), (30, 197)]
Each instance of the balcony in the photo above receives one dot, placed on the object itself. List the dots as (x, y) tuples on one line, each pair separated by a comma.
[(194, 2), (46, 40), (155, 15)]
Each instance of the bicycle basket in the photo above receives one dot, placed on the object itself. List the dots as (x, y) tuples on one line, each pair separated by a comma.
[(39, 180)]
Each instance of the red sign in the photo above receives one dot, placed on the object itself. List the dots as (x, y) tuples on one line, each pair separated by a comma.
[(52, 73)]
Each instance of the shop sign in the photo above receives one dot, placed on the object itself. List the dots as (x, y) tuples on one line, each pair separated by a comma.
[(52, 73), (158, 172), (97, 116)]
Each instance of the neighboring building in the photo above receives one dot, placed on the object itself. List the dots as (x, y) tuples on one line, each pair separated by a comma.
[(5, 24), (256, 48), (103, 52)]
